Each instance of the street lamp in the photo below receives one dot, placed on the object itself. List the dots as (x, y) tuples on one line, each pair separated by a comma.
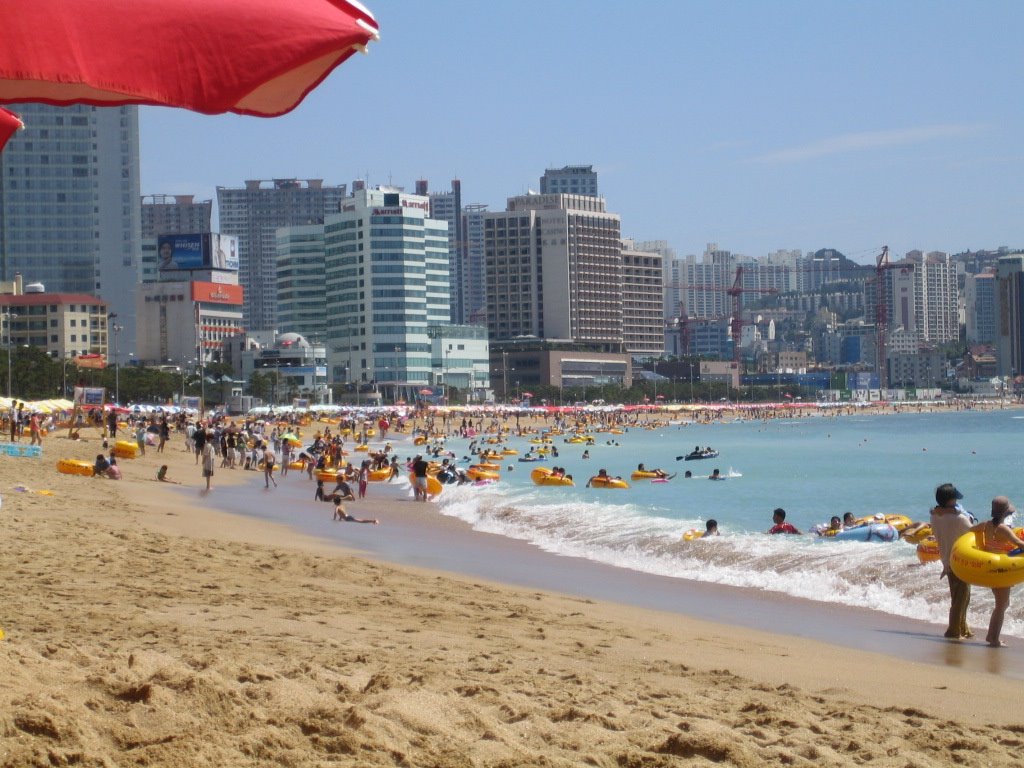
[(117, 372), (447, 373), (398, 368), (11, 317), (64, 390)]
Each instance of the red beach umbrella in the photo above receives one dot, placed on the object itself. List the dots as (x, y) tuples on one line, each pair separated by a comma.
[(426, 392), (258, 57), (9, 124)]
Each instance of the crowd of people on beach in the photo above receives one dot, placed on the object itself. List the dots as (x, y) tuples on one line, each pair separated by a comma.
[(263, 445)]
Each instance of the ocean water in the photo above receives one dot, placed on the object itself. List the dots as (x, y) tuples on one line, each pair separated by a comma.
[(813, 467)]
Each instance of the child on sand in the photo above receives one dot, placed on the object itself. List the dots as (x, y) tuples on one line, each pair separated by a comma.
[(161, 475)]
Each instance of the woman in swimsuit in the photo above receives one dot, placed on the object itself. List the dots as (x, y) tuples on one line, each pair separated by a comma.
[(995, 535)]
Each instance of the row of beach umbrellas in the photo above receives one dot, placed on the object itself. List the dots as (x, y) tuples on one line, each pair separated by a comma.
[(38, 406)]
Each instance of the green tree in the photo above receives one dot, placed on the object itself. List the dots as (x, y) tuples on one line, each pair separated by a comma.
[(261, 385)]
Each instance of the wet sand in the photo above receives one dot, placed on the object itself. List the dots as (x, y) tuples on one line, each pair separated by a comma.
[(416, 534)]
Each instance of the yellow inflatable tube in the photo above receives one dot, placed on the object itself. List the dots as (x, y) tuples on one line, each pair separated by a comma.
[(74, 467), (125, 449), (608, 482), (928, 549), (543, 476), (983, 568), (644, 475), (919, 535)]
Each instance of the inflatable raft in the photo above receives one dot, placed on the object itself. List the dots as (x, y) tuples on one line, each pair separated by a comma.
[(878, 532)]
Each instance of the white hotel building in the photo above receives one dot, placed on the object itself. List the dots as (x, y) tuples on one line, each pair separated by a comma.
[(387, 274)]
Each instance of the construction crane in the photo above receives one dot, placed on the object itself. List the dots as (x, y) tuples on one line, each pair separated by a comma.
[(736, 291), (882, 265)]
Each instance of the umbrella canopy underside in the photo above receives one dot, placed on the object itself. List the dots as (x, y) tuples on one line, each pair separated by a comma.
[(260, 57)]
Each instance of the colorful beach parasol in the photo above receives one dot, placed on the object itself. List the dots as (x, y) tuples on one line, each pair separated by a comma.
[(260, 57), (10, 124)]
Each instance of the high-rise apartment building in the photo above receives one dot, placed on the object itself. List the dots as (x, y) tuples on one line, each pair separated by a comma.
[(447, 207), (570, 180), (253, 213), (643, 322), (980, 307), (175, 214), (387, 282), (69, 204), (669, 298), (936, 296), (698, 287), (554, 270), (474, 267), (302, 282), (1010, 314)]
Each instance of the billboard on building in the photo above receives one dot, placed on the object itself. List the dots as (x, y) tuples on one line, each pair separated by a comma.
[(178, 253), (216, 293), (224, 252)]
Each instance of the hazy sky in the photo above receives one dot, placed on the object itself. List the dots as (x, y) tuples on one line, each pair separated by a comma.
[(755, 125)]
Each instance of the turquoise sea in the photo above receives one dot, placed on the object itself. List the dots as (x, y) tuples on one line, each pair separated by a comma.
[(813, 467)]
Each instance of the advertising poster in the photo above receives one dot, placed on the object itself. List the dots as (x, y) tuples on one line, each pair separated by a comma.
[(89, 395), (179, 252), (224, 252), (197, 251)]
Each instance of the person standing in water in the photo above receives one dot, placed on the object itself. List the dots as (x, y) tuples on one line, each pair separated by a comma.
[(949, 522), (997, 536)]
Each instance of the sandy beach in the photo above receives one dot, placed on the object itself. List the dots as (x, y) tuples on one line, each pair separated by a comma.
[(144, 627)]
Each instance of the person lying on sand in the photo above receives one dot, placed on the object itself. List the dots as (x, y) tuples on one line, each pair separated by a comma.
[(340, 514)]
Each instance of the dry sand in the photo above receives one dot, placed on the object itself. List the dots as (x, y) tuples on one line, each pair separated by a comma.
[(145, 630)]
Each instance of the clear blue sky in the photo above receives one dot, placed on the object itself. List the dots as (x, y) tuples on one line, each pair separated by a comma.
[(756, 125)]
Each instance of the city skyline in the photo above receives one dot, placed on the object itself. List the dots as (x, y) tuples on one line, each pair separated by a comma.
[(759, 127)]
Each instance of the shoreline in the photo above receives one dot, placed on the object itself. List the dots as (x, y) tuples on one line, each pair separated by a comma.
[(417, 535), (143, 627)]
